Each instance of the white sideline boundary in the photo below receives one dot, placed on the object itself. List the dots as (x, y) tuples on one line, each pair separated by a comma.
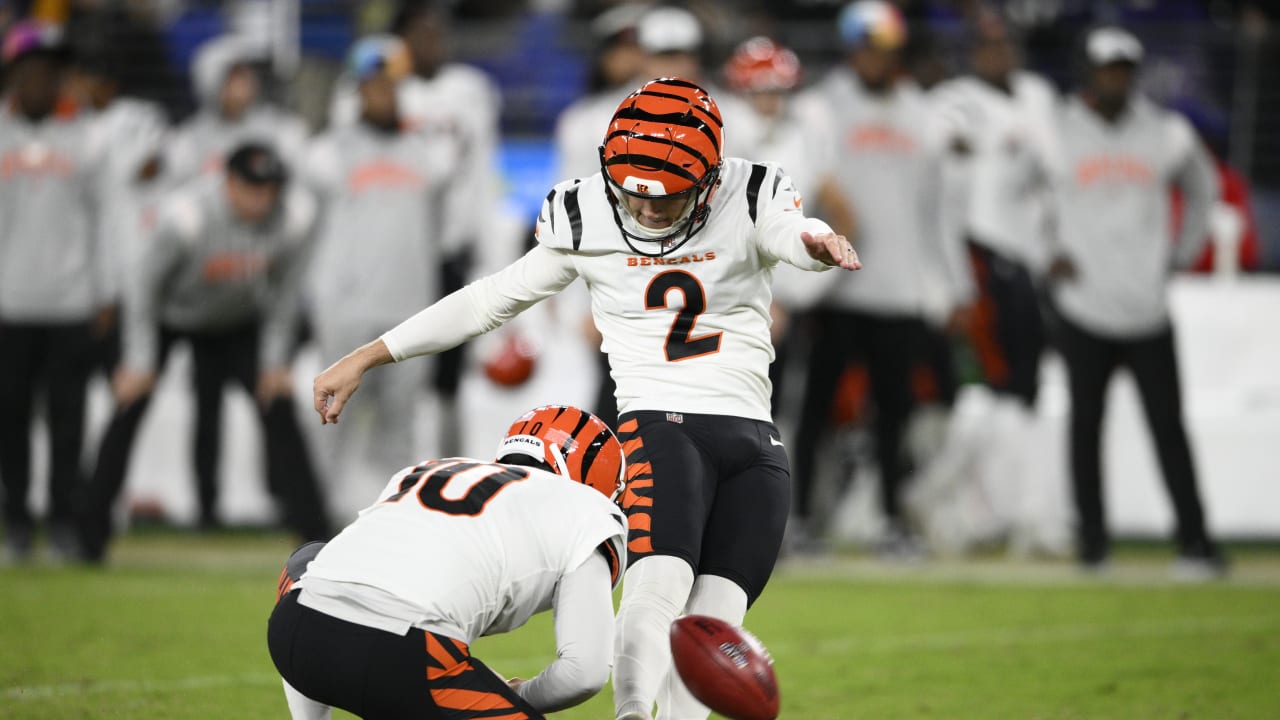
[(843, 646)]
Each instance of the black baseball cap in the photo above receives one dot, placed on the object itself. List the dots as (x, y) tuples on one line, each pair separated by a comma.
[(257, 164)]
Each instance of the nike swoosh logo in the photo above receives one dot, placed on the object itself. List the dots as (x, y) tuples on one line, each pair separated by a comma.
[(775, 441)]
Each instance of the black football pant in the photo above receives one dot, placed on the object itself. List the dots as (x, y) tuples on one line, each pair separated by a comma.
[(712, 490), (893, 347), (218, 357), (1009, 335), (55, 359), (378, 675), (1091, 361)]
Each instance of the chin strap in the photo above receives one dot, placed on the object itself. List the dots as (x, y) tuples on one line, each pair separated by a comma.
[(561, 466)]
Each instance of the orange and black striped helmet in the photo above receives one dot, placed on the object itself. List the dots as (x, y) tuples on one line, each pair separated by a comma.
[(570, 442), (664, 141)]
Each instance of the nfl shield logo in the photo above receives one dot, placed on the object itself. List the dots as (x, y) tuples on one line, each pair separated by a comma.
[(675, 417)]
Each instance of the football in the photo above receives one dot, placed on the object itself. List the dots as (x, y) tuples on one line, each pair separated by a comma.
[(725, 667)]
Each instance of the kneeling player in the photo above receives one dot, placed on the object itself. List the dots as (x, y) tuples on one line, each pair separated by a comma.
[(380, 621)]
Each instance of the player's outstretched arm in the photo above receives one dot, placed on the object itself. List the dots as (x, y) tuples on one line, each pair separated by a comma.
[(333, 387), (831, 249)]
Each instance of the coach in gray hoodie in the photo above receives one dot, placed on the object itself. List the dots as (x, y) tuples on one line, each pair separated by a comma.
[(1121, 154), (223, 274), (54, 280)]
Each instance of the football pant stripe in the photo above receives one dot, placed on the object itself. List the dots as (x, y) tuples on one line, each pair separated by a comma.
[(639, 470), (642, 544), (629, 426), (436, 651), (461, 699)]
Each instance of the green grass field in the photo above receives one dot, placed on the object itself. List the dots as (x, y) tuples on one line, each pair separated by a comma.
[(176, 629)]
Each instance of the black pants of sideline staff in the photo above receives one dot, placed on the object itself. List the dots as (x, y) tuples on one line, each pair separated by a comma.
[(1091, 361), (56, 360), (219, 357), (892, 348)]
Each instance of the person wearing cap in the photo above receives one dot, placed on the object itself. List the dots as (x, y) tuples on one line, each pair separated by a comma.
[(55, 280), (382, 187), (887, 165), (674, 43), (997, 126), (222, 274), (1120, 156), (232, 111)]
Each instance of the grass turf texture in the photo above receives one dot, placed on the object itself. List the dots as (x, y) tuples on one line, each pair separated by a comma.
[(176, 629)]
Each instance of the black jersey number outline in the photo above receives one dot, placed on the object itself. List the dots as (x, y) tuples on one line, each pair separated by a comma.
[(680, 345), (432, 477)]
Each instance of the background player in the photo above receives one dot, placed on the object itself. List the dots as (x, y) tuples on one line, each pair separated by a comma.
[(677, 247), (452, 550), (221, 274)]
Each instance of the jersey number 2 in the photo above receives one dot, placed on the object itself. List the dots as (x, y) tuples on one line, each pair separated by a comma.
[(679, 345), (431, 479)]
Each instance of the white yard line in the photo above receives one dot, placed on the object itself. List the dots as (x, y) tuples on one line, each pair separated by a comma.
[(136, 687)]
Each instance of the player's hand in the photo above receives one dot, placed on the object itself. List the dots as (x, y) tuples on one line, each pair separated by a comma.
[(515, 683), (130, 385), (105, 321), (272, 384), (1062, 268), (831, 249), (335, 386)]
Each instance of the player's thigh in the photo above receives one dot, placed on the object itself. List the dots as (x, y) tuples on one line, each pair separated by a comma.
[(670, 486), (325, 658), (453, 686), (744, 530)]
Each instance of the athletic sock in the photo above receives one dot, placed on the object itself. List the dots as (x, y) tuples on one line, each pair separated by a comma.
[(653, 592)]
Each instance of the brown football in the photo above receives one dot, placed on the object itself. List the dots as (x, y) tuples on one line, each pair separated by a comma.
[(725, 667)]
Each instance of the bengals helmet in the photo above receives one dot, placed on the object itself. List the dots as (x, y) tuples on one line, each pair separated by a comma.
[(569, 442), (664, 141), (762, 65)]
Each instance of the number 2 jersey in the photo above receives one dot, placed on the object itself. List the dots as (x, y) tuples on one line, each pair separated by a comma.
[(463, 548), (686, 332)]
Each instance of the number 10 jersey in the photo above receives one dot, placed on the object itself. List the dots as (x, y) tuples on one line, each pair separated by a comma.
[(464, 548)]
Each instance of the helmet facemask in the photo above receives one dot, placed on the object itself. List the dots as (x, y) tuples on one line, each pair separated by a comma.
[(656, 242), (663, 143)]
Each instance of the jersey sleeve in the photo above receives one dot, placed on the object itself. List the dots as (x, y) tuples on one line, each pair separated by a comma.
[(483, 305), (584, 640), (777, 209), (559, 223)]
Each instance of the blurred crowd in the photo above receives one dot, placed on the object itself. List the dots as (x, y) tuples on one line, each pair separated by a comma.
[(318, 180)]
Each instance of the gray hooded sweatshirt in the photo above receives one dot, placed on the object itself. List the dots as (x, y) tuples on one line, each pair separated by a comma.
[(55, 259), (207, 271)]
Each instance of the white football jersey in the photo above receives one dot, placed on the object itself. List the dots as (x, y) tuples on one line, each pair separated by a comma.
[(687, 332), (1011, 146), (464, 548)]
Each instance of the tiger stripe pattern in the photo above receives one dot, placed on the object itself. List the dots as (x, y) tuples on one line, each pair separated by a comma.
[(637, 498), (461, 686)]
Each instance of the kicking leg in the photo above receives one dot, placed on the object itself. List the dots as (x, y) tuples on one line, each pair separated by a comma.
[(716, 597), (655, 590)]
